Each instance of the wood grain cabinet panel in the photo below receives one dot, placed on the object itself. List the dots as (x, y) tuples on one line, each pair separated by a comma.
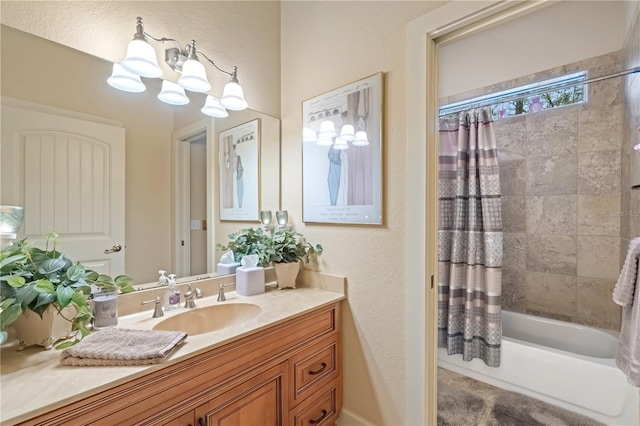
[(321, 409), (278, 376), (313, 367), (256, 401)]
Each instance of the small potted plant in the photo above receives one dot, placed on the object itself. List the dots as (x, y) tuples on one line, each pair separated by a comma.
[(48, 284), (248, 241), (286, 249)]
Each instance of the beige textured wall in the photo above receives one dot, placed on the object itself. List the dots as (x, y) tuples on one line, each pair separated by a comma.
[(326, 45)]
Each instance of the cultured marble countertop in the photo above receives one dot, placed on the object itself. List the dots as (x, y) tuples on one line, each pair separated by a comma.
[(33, 381)]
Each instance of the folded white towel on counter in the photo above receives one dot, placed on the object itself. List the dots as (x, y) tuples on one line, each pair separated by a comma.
[(624, 290), (119, 346)]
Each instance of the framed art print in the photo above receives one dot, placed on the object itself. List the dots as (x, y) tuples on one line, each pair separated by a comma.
[(342, 154), (239, 165)]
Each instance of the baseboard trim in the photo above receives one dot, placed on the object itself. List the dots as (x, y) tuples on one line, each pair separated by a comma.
[(348, 418)]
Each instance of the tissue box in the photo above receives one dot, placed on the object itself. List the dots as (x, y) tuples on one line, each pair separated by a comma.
[(250, 281), (227, 268)]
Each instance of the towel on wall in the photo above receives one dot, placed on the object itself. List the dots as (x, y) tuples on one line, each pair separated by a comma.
[(625, 294), (118, 346), (624, 290)]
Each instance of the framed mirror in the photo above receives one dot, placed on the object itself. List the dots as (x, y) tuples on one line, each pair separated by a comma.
[(170, 155)]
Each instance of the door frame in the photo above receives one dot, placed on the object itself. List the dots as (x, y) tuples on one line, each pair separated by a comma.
[(448, 23), (181, 170)]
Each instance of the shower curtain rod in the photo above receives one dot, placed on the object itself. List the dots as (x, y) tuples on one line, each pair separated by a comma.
[(444, 110)]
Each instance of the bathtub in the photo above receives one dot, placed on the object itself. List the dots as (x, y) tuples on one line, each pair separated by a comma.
[(567, 365)]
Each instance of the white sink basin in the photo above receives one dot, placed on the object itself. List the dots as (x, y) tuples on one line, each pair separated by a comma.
[(209, 318)]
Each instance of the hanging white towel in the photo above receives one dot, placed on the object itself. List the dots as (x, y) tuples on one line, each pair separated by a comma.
[(628, 351), (624, 290)]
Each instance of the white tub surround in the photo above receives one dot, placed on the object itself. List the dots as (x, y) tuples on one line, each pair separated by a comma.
[(564, 364)]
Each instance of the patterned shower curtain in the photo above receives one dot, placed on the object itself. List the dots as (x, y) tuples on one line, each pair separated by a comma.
[(470, 238)]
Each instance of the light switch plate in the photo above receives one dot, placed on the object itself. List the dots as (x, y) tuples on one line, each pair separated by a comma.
[(195, 225)]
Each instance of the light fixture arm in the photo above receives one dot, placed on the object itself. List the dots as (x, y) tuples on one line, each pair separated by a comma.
[(163, 40), (233, 74)]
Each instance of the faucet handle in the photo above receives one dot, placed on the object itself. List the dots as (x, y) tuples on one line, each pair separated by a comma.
[(157, 311)]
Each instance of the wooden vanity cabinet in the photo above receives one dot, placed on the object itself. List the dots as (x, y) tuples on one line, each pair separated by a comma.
[(288, 374)]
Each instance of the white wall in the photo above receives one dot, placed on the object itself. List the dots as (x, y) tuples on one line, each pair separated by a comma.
[(556, 35)]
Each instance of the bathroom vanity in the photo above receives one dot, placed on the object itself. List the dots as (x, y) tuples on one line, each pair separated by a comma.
[(282, 367)]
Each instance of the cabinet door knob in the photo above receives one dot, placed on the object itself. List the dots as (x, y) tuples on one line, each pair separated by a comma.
[(202, 422), (320, 370), (319, 419)]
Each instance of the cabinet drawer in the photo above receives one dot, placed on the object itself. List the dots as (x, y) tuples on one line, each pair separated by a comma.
[(312, 367), (319, 410)]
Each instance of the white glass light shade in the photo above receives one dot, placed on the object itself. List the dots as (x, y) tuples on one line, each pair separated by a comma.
[(212, 108), (124, 80), (325, 140), (141, 59), (341, 144), (194, 77), (309, 135), (328, 129), (361, 139), (347, 132), (172, 94), (233, 97)]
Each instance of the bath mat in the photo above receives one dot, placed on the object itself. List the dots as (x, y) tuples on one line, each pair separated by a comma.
[(118, 346), (513, 409), (457, 407)]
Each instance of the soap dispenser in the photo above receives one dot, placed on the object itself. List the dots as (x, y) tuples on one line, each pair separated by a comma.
[(163, 280), (173, 294)]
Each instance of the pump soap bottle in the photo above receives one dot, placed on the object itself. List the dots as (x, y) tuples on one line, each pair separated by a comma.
[(173, 294)]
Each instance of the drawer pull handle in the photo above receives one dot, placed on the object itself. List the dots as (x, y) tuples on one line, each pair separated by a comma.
[(320, 370), (319, 419)]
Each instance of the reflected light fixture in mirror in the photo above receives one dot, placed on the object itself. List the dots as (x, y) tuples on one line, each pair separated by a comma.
[(172, 94), (141, 61), (328, 136), (213, 108)]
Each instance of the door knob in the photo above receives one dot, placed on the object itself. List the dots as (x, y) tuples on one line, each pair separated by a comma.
[(116, 248)]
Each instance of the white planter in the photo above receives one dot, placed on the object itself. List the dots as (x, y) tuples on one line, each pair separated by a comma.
[(45, 331), (286, 273)]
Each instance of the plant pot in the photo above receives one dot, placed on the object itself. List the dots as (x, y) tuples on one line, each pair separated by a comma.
[(45, 331), (286, 273)]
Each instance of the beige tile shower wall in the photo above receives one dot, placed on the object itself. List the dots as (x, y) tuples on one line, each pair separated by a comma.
[(630, 209), (561, 192)]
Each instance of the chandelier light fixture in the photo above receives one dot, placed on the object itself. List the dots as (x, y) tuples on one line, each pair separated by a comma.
[(141, 61)]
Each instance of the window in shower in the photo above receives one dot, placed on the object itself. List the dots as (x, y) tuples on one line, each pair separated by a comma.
[(552, 93)]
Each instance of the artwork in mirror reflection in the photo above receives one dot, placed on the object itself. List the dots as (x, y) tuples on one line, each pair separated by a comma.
[(239, 179), (75, 83)]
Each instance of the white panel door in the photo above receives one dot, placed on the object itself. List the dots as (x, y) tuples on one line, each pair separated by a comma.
[(68, 174)]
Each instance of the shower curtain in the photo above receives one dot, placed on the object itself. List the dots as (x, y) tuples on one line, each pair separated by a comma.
[(470, 238)]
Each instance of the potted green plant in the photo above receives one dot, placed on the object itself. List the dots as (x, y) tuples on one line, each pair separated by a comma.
[(47, 283), (286, 249), (248, 241)]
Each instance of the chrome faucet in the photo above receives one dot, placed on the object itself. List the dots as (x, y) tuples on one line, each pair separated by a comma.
[(190, 295), (221, 297), (157, 311)]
